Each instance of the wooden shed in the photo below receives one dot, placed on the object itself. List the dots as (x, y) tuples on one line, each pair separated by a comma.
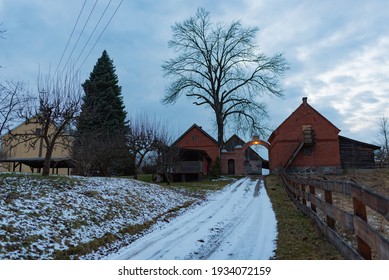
[(355, 154)]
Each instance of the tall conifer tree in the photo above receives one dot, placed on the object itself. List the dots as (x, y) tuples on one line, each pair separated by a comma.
[(101, 144)]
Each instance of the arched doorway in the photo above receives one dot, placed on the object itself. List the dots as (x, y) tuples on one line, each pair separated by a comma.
[(231, 167), (251, 165)]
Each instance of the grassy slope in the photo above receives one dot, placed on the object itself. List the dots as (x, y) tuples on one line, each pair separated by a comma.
[(298, 236)]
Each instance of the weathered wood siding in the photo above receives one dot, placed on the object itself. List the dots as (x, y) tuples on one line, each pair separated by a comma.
[(355, 154)]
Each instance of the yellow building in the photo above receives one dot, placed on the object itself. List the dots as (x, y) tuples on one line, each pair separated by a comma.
[(23, 150)]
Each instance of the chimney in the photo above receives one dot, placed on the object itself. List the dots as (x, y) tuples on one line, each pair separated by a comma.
[(305, 101)]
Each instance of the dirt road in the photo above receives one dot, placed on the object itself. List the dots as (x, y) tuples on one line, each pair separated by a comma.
[(236, 223)]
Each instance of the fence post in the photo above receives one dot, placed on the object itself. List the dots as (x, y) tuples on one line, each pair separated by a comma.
[(303, 194), (297, 187), (312, 191), (294, 188), (328, 199), (360, 211)]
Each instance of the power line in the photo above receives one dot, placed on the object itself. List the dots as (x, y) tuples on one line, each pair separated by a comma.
[(70, 37), (78, 39), (90, 36), (105, 27)]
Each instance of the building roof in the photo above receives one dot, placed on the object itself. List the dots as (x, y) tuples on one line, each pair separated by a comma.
[(359, 143), (302, 106), (200, 129), (38, 162), (234, 141)]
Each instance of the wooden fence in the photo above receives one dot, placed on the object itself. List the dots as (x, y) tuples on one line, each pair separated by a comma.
[(308, 196)]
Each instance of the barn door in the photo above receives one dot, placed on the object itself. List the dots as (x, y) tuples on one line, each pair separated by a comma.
[(231, 167)]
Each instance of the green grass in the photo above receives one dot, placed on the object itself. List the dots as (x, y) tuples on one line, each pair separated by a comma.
[(195, 187), (298, 236), (198, 187)]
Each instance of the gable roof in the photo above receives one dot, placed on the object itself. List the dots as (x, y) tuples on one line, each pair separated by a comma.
[(231, 143), (302, 106), (359, 143), (190, 129), (235, 140)]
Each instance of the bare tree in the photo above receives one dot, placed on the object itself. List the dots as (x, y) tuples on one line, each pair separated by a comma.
[(221, 67), (13, 95), (89, 162), (144, 134), (166, 156), (52, 115), (383, 140)]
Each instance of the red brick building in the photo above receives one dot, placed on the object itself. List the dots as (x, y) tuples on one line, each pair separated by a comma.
[(305, 142), (198, 152), (238, 158)]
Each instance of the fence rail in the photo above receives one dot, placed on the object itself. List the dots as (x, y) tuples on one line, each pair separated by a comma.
[(187, 167), (308, 195)]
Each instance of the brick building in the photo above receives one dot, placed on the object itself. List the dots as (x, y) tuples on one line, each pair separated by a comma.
[(237, 158), (198, 153), (307, 142)]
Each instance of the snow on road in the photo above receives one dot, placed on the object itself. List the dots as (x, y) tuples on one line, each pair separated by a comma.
[(236, 223)]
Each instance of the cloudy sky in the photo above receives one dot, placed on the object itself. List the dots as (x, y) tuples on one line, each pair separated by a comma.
[(338, 52)]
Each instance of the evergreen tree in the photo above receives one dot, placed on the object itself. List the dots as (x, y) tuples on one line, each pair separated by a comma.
[(101, 144)]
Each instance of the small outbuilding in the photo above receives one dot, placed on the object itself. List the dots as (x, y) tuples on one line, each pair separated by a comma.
[(356, 154), (197, 155), (235, 160)]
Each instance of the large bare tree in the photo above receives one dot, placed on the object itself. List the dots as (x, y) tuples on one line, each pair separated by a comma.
[(52, 114), (222, 67)]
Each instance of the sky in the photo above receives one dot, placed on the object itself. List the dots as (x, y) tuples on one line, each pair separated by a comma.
[(338, 53)]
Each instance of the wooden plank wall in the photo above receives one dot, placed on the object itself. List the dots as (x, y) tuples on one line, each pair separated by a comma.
[(304, 193)]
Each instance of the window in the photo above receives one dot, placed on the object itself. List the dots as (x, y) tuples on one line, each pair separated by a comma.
[(308, 151)]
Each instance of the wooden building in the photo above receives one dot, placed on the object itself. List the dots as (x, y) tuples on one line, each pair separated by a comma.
[(355, 154)]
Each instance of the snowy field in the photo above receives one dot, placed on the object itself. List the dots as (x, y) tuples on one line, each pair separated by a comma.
[(236, 223), (39, 217)]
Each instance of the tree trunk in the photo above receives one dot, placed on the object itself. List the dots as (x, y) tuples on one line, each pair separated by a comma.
[(136, 173), (135, 168), (46, 162), (220, 129)]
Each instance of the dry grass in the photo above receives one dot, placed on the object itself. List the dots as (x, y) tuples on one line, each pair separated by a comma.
[(375, 179), (298, 236)]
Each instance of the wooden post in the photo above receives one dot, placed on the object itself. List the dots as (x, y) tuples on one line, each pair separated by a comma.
[(312, 191), (360, 211), (328, 199), (303, 195), (298, 187)]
